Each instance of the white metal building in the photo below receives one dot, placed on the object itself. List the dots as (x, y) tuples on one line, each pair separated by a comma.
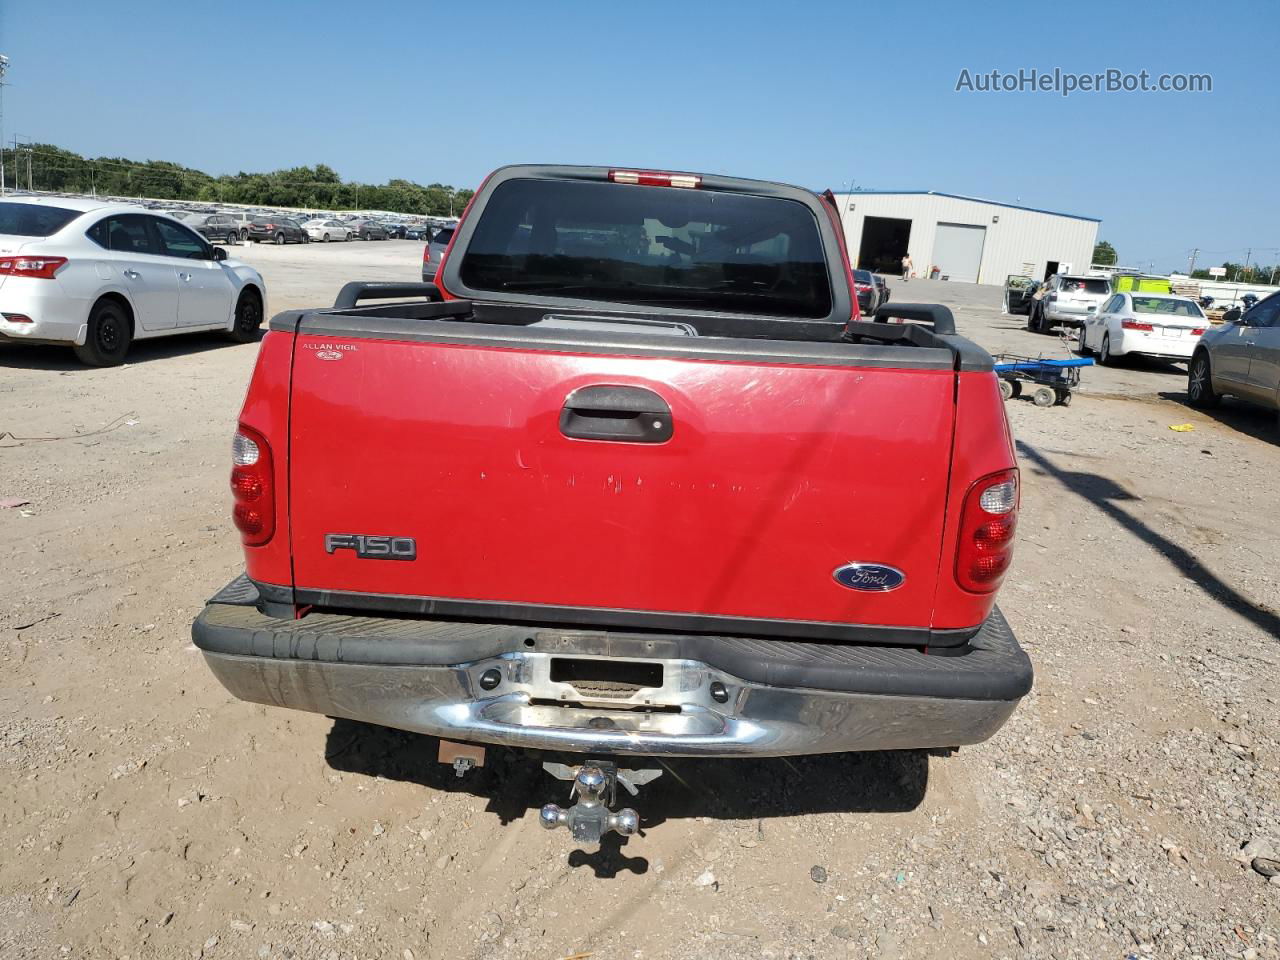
[(966, 239)]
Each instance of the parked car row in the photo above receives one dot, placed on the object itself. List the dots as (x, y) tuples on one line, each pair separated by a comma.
[(282, 230), (1238, 357), (232, 226)]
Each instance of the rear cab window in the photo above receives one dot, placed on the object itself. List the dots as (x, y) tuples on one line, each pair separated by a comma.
[(656, 246), (33, 219), (1166, 306), (1094, 285)]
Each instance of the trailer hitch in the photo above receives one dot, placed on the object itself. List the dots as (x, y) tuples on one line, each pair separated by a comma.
[(595, 786)]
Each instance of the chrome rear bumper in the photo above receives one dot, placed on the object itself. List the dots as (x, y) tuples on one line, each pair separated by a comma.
[(721, 704)]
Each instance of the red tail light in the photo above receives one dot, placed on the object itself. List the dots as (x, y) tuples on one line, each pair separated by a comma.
[(251, 486), (1198, 332), (862, 286), (36, 268), (987, 524), (426, 253), (1136, 325), (650, 178)]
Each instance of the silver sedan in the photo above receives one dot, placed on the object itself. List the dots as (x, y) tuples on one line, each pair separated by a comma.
[(1240, 358)]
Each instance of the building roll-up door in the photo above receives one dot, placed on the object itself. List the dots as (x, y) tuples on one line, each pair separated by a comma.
[(957, 251)]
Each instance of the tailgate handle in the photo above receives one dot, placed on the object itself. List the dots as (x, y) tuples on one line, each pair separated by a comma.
[(617, 413)]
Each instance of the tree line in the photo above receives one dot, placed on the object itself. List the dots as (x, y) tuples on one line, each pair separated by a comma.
[(1236, 273), (42, 166)]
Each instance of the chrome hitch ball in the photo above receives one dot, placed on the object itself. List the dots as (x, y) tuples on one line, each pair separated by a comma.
[(590, 818)]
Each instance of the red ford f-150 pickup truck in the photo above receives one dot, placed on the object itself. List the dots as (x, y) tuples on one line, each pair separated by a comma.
[(631, 480)]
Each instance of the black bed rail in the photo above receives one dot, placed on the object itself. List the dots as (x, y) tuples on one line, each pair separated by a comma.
[(941, 318), (358, 290)]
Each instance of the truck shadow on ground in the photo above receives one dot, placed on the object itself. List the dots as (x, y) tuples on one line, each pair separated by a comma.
[(59, 358), (1106, 495), (514, 783)]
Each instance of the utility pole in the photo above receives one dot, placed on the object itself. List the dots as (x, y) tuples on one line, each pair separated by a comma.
[(1191, 264), (4, 68), (1247, 254)]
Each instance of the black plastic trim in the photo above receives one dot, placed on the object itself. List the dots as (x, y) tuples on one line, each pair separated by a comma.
[(357, 290), (941, 317), (616, 413), (339, 600), (622, 342), (759, 339), (991, 666)]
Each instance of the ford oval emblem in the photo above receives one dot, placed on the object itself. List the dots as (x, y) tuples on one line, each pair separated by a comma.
[(328, 355), (872, 577)]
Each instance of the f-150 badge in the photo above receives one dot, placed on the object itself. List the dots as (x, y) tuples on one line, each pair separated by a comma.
[(372, 548), (871, 577)]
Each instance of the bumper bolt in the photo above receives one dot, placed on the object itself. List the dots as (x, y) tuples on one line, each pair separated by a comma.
[(490, 678), (719, 693)]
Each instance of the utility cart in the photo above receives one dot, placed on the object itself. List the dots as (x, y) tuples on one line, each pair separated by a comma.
[(1053, 379)]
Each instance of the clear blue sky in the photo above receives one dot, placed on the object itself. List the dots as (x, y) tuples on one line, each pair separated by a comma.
[(815, 93)]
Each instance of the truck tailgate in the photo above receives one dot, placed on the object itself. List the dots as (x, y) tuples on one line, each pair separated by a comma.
[(774, 475)]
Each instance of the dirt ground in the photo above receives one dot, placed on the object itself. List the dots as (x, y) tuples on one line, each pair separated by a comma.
[(145, 813)]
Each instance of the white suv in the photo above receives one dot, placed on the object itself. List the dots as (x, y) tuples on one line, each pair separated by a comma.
[(1066, 301), (97, 276)]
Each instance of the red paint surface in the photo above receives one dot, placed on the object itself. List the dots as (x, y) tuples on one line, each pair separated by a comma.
[(775, 476)]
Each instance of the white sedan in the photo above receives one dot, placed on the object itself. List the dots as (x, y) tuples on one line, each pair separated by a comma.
[(1150, 324), (326, 230), (97, 276)]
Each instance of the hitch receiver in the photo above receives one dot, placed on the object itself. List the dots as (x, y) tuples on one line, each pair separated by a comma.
[(595, 787)]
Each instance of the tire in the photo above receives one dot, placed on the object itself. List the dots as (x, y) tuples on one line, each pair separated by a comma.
[(244, 235), (1044, 397), (348, 239), (110, 333), (1017, 388), (280, 239), (248, 317), (1200, 392), (1082, 349), (325, 238), (1064, 398), (1105, 356), (1006, 389)]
